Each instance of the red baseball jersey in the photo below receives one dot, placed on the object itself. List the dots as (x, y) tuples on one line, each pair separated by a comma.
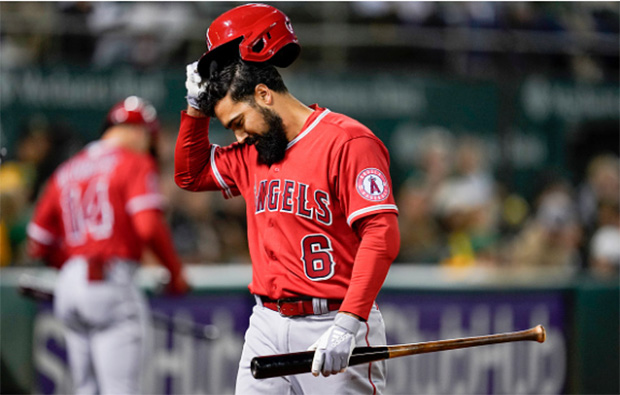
[(87, 205), (300, 211)]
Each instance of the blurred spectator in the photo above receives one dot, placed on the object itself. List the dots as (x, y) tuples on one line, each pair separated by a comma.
[(19, 178), (603, 189), (551, 238), (604, 248), (106, 22), (230, 223), (205, 229), (33, 23), (436, 160), (424, 14), (189, 214), (76, 44), (602, 184), (41, 147), (14, 54), (420, 13), (422, 238), (372, 11), (587, 18), (141, 34), (467, 206), (449, 210), (425, 153), (482, 15), (190, 217), (14, 207), (524, 17)]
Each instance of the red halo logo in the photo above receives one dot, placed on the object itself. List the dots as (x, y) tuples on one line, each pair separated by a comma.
[(372, 185)]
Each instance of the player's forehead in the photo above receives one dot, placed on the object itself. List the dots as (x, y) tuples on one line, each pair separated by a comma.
[(226, 110)]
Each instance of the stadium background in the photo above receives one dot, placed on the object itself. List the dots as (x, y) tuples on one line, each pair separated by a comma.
[(502, 123)]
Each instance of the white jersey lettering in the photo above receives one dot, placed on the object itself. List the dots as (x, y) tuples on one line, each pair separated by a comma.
[(283, 200)]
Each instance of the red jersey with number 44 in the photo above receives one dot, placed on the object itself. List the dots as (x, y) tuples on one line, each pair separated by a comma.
[(87, 205), (301, 210)]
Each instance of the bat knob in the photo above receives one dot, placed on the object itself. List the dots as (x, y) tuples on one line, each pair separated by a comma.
[(541, 334)]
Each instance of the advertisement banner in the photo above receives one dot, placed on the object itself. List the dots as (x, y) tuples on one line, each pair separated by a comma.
[(511, 368), (182, 363)]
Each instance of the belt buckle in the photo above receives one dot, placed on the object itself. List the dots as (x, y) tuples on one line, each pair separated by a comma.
[(279, 306)]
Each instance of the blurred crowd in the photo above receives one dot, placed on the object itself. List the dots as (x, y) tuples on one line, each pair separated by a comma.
[(453, 210), (481, 38), (570, 39)]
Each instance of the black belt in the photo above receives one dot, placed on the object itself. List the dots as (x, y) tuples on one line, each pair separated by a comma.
[(297, 307)]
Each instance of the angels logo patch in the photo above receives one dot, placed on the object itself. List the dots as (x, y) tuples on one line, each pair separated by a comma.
[(372, 185)]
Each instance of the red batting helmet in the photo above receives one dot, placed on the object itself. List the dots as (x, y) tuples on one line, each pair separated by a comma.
[(259, 31), (134, 110)]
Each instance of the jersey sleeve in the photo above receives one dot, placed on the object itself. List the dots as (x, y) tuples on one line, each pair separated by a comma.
[(155, 233), (364, 185), (45, 229), (379, 247), (142, 190), (200, 165)]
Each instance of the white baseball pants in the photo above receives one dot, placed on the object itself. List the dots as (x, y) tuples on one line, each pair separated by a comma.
[(269, 333), (106, 324)]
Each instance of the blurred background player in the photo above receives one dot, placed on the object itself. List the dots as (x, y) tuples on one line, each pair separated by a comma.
[(97, 214), (322, 222)]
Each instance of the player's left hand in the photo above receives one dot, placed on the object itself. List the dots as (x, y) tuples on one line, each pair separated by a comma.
[(334, 347)]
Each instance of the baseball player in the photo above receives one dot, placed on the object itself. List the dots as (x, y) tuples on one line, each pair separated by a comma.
[(322, 222), (98, 212)]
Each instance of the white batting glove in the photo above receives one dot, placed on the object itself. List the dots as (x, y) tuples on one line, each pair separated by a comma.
[(334, 347), (194, 84)]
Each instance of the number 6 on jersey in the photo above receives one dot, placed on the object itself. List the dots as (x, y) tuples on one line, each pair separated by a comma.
[(317, 258)]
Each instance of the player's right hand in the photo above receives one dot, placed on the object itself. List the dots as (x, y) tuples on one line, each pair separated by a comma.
[(193, 84)]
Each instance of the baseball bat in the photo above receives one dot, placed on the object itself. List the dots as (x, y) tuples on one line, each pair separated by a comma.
[(35, 289), (301, 362)]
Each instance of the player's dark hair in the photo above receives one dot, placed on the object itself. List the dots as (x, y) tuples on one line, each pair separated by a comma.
[(240, 79)]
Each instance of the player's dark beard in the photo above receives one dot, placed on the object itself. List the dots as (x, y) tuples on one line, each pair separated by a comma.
[(271, 146)]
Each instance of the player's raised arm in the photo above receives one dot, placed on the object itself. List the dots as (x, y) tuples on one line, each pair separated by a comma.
[(198, 164), (192, 151)]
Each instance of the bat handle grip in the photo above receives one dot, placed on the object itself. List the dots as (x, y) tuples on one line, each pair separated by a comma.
[(301, 362), (281, 365)]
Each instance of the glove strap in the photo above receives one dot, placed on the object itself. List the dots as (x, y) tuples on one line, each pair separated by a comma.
[(193, 102), (347, 322)]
